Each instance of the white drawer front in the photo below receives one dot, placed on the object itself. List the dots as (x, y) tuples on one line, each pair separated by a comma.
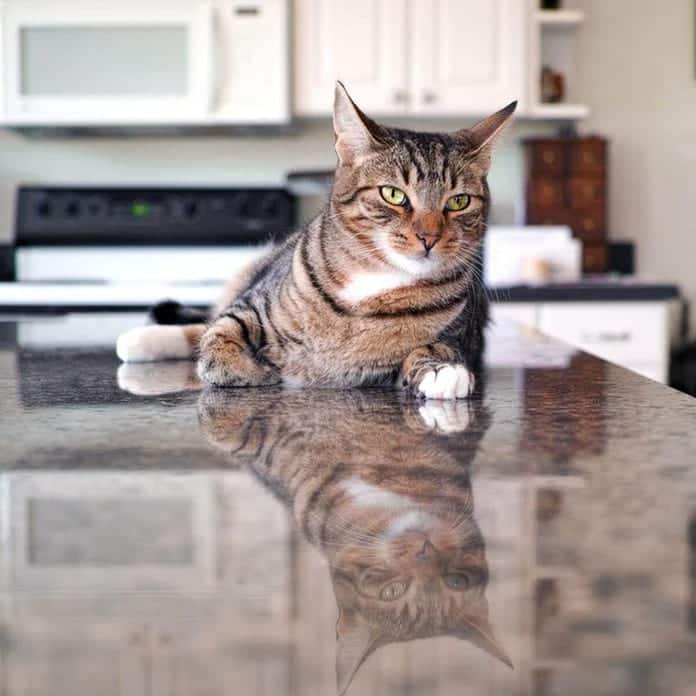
[(621, 332)]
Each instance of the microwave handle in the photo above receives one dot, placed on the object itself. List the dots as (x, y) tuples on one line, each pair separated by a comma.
[(207, 64), (216, 61)]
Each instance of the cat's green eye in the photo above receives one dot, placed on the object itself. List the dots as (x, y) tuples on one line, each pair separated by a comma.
[(393, 195), (392, 591), (457, 203), (457, 581)]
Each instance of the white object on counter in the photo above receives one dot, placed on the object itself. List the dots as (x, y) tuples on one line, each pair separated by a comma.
[(517, 255)]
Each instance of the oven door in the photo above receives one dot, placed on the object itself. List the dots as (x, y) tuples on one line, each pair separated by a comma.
[(107, 63)]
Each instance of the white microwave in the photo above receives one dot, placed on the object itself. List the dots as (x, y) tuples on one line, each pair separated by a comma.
[(144, 62)]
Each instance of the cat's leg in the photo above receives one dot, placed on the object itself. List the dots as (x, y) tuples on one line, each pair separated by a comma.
[(437, 371), (229, 352)]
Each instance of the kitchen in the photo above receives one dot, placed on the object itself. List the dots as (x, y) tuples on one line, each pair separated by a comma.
[(146, 148)]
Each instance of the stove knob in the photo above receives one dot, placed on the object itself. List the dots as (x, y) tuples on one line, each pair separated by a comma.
[(72, 209), (44, 209), (190, 209), (241, 208), (273, 206), (184, 208)]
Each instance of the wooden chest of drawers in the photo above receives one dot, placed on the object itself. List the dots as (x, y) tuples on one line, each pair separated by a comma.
[(567, 185)]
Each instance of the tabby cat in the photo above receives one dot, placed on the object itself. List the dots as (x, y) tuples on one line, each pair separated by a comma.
[(383, 285), (394, 517)]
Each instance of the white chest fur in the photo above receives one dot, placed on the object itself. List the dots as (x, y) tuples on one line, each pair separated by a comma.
[(362, 286)]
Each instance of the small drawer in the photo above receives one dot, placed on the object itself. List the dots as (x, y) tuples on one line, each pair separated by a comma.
[(589, 225), (622, 332), (546, 193), (595, 258), (548, 216), (547, 158), (588, 157), (586, 192)]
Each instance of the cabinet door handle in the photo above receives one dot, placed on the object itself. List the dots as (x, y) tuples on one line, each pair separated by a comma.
[(607, 337), (400, 96), (429, 97)]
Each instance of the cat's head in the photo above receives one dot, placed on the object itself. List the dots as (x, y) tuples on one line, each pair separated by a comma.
[(416, 574), (419, 201)]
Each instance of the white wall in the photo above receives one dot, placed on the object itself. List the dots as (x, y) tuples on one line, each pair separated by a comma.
[(636, 60), (208, 161)]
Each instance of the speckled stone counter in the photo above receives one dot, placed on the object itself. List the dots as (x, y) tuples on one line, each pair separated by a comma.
[(158, 538)]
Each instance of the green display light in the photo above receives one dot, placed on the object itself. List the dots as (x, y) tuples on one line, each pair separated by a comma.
[(139, 209)]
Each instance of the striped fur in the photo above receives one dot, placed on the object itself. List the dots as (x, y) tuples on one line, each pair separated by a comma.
[(369, 292), (393, 517)]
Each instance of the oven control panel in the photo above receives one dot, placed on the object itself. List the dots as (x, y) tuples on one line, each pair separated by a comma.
[(153, 216)]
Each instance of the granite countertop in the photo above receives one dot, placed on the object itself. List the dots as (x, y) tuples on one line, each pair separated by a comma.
[(159, 538)]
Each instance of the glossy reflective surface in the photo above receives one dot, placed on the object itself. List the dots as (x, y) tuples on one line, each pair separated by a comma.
[(161, 539)]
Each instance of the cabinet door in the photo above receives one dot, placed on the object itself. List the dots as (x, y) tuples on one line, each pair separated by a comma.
[(362, 43), (467, 56)]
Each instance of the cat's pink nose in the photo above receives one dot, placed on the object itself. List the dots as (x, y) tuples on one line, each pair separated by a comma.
[(427, 240), (426, 552)]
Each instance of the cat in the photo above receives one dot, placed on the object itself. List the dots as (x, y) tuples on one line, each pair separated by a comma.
[(394, 517), (383, 286)]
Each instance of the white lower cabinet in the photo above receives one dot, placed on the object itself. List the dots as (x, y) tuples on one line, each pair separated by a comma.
[(635, 335)]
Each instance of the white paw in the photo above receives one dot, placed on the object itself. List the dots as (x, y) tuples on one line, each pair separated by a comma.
[(445, 416), (148, 379), (151, 343), (449, 382)]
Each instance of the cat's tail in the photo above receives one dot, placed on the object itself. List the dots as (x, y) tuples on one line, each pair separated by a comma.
[(174, 335), (171, 312)]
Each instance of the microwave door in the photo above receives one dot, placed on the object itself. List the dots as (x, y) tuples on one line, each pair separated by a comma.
[(98, 63)]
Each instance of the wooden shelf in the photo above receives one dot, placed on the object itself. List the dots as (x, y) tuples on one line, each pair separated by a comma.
[(559, 111), (559, 18)]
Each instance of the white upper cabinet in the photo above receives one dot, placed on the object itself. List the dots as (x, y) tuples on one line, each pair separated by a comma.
[(429, 57), (467, 56), (362, 43)]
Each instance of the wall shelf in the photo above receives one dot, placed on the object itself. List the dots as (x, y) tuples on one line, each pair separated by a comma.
[(559, 18), (553, 43), (559, 111)]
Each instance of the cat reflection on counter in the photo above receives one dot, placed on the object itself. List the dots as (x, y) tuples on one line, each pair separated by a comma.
[(394, 517)]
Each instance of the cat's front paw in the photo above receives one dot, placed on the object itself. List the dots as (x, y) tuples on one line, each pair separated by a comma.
[(449, 381), (224, 363)]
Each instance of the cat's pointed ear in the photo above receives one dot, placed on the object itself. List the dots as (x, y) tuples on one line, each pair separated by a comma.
[(357, 136), (476, 628), (355, 641), (481, 137)]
